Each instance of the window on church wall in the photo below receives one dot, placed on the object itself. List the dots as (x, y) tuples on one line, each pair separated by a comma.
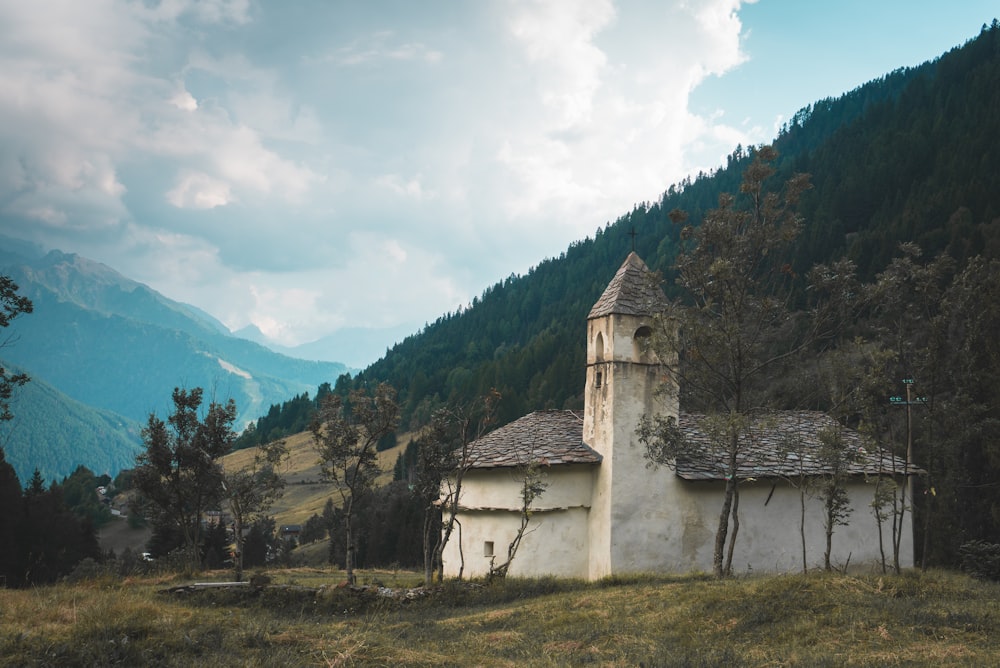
[(642, 344), (599, 347), (488, 548)]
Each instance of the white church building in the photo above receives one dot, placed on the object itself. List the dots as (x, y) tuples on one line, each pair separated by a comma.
[(605, 512)]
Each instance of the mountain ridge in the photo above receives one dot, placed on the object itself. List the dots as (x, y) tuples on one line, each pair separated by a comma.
[(118, 346)]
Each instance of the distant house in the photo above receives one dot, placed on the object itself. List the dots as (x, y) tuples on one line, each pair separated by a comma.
[(290, 531), (605, 512)]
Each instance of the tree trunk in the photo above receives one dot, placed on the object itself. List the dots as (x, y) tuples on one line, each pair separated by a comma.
[(349, 542), (432, 544), (829, 534), (802, 522), (238, 539), (723, 530), (736, 530), (727, 505)]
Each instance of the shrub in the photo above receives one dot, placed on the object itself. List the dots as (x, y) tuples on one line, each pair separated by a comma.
[(981, 559)]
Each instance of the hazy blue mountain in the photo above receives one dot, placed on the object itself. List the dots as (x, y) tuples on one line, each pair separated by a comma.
[(357, 347), (117, 345)]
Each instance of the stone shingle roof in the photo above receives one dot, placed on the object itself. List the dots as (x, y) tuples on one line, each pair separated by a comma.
[(763, 450), (551, 438), (630, 292), (545, 437)]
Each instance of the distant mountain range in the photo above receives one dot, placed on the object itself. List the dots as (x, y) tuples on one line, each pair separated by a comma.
[(118, 348), (356, 347)]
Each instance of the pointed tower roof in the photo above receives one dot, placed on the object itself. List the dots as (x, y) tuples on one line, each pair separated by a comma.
[(630, 292)]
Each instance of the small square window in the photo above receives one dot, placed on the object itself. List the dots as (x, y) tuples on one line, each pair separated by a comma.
[(598, 378), (488, 548)]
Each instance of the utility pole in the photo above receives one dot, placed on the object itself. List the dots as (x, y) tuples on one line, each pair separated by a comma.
[(908, 402)]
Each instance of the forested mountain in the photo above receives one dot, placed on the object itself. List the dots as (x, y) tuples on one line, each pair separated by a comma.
[(54, 434), (911, 156), (905, 177), (116, 345)]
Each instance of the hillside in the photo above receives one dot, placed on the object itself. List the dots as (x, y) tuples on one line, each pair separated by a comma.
[(54, 433), (305, 493), (907, 157), (118, 346)]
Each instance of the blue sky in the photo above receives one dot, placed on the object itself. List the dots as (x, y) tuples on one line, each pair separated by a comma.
[(312, 165)]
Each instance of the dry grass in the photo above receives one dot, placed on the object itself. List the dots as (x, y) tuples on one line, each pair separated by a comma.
[(305, 492), (818, 620)]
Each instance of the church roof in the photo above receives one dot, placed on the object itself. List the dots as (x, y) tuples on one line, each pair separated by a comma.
[(544, 437), (630, 292), (780, 444), (551, 438)]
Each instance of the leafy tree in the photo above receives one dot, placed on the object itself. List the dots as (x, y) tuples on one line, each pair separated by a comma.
[(261, 543), (737, 327), (960, 428), (910, 330), (80, 492), (313, 530), (836, 459), (10, 502), (178, 474), (215, 546), (52, 538), (11, 306), (345, 435), (252, 490)]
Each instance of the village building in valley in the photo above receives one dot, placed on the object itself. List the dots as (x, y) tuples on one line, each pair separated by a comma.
[(604, 511)]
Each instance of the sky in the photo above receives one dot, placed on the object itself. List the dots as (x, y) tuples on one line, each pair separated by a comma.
[(312, 165)]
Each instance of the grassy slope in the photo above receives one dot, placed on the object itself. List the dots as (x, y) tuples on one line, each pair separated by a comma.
[(935, 618), (305, 493)]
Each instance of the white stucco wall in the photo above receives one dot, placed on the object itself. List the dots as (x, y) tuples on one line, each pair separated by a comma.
[(555, 543), (566, 486), (673, 531), (769, 538), (556, 540)]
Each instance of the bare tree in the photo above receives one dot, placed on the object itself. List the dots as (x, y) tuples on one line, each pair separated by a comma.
[(251, 491), (442, 468), (345, 435), (532, 487)]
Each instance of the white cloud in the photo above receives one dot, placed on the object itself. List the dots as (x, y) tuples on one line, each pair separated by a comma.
[(411, 188), (379, 47), (184, 101), (195, 146), (195, 190), (557, 38), (605, 121), (48, 215)]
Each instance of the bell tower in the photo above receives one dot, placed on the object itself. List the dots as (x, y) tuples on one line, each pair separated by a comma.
[(623, 376)]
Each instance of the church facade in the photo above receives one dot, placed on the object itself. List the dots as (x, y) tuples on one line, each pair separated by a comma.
[(605, 512)]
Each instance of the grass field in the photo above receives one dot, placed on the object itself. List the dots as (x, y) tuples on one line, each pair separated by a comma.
[(305, 492), (916, 619)]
